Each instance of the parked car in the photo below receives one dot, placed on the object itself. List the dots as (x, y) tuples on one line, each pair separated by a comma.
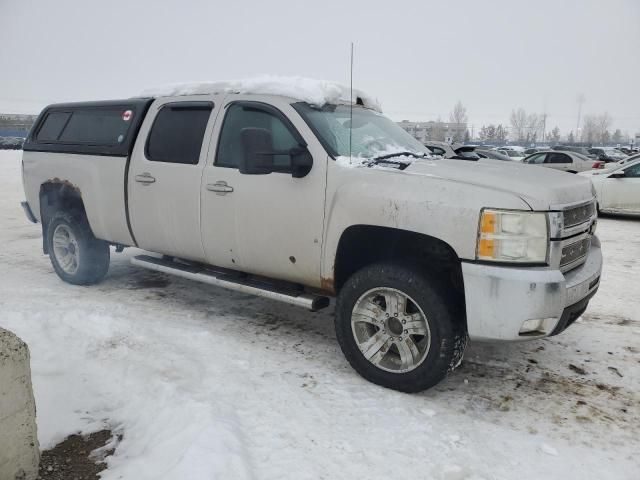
[(11, 143), (455, 151), (607, 154), (532, 150), (514, 155), (256, 187), (615, 165), (461, 152), (623, 162), (493, 154), (571, 162), (625, 150), (618, 190), (569, 148)]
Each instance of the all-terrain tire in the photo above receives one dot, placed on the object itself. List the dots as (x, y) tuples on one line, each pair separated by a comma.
[(444, 318), (92, 254)]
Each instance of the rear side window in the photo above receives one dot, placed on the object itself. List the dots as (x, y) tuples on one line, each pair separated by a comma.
[(101, 126), (177, 133), (558, 158), (52, 126), (105, 128)]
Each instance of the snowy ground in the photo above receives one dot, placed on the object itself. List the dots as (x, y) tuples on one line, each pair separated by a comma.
[(206, 383)]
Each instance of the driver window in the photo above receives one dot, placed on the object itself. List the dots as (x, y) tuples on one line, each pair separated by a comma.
[(633, 171), (240, 116), (537, 159)]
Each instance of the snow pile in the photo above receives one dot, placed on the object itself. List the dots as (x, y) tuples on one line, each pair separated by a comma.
[(394, 162), (314, 92)]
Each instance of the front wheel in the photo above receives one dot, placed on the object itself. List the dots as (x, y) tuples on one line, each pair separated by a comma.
[(76, 255), (396, 329)]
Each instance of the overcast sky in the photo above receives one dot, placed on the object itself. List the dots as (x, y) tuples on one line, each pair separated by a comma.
[(417, 57)]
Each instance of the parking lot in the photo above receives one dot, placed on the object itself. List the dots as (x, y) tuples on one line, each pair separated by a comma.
[(197, 378)]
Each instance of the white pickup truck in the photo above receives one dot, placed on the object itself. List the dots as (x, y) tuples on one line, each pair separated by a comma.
[(295, 192)]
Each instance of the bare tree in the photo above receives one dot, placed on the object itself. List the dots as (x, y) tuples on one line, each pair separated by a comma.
[(617, 136), (518, 124), (554, 136), (458, 116), (595, 128), (589, 129), (604, 123), (437, 131), (502, 133), (459, 113), (533, 126), (571, 138), (487, 132)]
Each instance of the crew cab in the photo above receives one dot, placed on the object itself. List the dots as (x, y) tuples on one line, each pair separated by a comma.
[(301, 191)]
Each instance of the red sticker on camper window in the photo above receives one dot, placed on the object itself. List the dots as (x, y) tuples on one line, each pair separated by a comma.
[(126, 115)]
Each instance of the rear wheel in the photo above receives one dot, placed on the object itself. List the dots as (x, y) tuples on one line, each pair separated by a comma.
[(396, 329), (76, 255)]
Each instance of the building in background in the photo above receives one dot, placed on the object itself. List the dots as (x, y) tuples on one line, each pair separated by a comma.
[(433, 130), (14, 125)]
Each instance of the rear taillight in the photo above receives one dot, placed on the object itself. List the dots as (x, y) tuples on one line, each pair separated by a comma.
[(598, 165)]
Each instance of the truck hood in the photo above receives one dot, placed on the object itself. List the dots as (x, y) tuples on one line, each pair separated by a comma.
[(542, 188)]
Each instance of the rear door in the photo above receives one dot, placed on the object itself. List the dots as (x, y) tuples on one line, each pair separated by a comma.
[(269, 224), (558, 160), (165, 176)]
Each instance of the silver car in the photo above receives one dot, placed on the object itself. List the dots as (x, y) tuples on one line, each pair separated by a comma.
[(571, 162)]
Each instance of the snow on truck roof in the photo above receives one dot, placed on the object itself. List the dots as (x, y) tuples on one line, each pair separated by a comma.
[(314, 92)]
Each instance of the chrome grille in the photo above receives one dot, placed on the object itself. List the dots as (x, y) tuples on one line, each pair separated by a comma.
[(577, 215), (575, 251)]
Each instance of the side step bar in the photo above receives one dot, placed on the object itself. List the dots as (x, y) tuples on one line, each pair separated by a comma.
[(260, 288)]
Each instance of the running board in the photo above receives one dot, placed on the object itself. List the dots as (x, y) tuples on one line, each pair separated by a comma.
[(225, 279)]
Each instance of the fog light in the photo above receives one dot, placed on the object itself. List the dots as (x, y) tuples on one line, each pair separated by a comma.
[(537, 326)]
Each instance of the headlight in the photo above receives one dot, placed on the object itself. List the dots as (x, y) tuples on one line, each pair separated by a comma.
[(512, 236)]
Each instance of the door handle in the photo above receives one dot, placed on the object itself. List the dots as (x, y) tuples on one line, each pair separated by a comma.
[(220, 187), (145, 178)]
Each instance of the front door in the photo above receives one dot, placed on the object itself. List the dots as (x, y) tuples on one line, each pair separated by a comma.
[(623, 193), (166, 174), (269, 224)]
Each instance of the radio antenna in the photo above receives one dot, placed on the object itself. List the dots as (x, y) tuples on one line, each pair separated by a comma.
[(351, 105)]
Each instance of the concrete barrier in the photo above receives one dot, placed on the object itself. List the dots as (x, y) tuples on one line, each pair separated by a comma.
[(19, 452)]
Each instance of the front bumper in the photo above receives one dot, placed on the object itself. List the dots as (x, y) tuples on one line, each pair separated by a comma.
[(502, 302)]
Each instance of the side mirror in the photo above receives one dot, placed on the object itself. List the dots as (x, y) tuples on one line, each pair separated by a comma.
[(258, 155), (301, 162), (617, 175)]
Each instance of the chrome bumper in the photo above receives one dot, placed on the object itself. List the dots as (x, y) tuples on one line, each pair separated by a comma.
[(519, 303)]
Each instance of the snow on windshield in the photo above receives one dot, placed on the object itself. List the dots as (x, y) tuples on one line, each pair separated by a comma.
[(312, 91), (360, 135)]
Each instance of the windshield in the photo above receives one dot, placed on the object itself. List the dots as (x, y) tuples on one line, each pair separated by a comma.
[(372, 134)]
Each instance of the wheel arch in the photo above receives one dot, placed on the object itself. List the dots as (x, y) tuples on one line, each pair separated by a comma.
[(362, 245), (58, 195)]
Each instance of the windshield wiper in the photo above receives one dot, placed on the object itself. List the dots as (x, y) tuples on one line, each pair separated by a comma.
[(399, 154)]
